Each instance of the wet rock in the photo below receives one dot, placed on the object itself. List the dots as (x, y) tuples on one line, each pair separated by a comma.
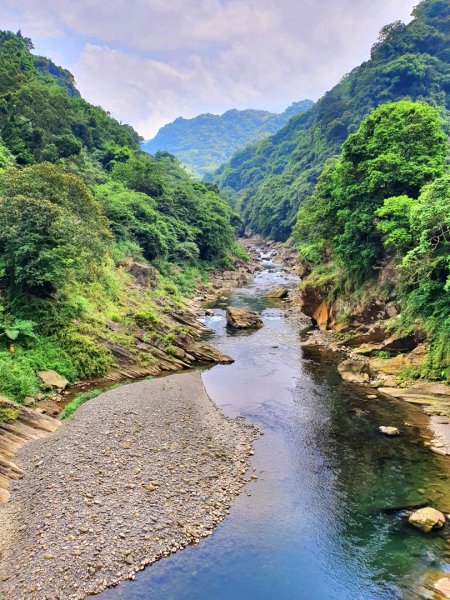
[(280, 292), (313, 304), (354, 370), (389, 431), (442, 586), (51, 379), (242, 318), (426, 519)]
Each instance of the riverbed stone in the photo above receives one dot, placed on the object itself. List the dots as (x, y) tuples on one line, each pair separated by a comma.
[(243, 318), (354, 370), (52, 379), (426, 519), (443, 587), (280, 292), (389, 431), (95, 488)]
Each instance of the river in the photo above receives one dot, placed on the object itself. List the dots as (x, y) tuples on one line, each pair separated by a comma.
[(312, 525)]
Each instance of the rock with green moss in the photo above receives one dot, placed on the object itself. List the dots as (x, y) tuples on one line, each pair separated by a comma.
[(8, 415)]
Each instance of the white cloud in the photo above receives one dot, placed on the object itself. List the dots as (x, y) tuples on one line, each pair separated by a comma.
[(149, 61)]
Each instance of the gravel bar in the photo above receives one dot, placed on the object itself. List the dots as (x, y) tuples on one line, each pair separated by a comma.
[(140, 472)]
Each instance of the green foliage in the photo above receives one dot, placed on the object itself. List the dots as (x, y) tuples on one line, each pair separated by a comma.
[(397, 149), (79, 399), (12, 329), (207, 141), (270, 180), (89, 358), (394, 223), (17, 376), (51, 230)]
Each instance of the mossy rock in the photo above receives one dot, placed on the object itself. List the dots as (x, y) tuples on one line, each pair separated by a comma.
[(8, 415)]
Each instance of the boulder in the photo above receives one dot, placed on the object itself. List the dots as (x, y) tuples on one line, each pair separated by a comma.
[(389, 431), (278, 292), (426, 519), (145, 275), (242, 318), (443, 587), (52, 379), (354, 371), (313, 304), (375, 334)]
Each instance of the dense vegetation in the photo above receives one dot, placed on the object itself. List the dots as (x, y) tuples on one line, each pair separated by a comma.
[(270, 180), (79, 202), (207, 141)]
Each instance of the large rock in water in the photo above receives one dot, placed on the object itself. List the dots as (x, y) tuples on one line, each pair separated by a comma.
[(355, 371), (278, 292), (426, 519), (242, 318), (51, 379), (313, 304)]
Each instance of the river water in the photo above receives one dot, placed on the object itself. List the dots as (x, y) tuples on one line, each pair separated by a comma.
[(312, 526)]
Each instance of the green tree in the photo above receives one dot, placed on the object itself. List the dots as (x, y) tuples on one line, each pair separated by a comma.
[(397, 149), (51, 229)]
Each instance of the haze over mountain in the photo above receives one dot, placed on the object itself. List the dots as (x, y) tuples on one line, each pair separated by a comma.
[(206, 141)]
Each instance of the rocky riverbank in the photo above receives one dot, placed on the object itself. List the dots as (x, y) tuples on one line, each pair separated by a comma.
[(171, 344), (140, 472)]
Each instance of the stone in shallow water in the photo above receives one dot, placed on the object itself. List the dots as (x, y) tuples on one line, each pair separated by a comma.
[(389, 431), (354, 370), (242, 318), (443, 586), (280, 291), (426, 519)]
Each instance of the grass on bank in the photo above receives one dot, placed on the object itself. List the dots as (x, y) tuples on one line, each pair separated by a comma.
[(78, 401)]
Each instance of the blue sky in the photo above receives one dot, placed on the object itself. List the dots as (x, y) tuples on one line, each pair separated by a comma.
[(150, 61)]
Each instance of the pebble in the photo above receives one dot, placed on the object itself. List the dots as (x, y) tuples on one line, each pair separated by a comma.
[(159, 466)]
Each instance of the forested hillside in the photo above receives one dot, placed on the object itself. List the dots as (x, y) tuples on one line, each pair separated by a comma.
[(80, 204), (270, 180), (376, 230), (207, 141)]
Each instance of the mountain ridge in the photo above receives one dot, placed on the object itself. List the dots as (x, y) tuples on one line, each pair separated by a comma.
[(269, 180), (206, 141)]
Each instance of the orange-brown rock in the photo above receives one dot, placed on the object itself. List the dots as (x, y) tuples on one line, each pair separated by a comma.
[(314, 305), (242, 318)]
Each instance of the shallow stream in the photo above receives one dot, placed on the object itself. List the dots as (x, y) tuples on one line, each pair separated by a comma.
[(315, 525)]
